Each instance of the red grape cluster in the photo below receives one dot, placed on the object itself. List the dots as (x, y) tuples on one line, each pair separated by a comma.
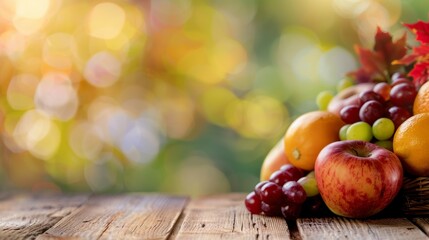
[(284, 194), (393, 101), (379, 112)]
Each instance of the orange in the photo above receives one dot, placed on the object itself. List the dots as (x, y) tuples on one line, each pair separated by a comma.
[(421, 102), (308, 135), (274, 160), (411, 144)]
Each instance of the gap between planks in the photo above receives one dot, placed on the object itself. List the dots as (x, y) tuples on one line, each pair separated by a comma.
[(225, 217), (148, 216), (24, 216)]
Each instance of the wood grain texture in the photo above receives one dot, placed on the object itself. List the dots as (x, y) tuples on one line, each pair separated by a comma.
[(225, 217), (422, 223), (25, 216), (132, 216), (344, 228)]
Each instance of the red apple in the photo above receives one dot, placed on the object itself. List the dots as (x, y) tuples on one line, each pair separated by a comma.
[(347, 97), (357, 179)]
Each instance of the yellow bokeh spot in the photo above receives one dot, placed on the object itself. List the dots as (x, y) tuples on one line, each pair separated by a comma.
[(212, 63), (20, 92), (31, 9), (179, 115), (229, 56), (214, 101), (30, 15), (106, 20), (265, 116), (36, 133), (58, 49), (84, 141), (257, 116)]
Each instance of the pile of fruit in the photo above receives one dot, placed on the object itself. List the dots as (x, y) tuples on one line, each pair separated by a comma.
[(352, 154)]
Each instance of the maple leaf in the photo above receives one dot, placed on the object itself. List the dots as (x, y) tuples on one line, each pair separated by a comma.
[(372, 62), (420, 54), (420, 73), (376, 64), (421, 29)]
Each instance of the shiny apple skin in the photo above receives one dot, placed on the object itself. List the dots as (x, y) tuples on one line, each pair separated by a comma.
[(347, 97), (357, 179)]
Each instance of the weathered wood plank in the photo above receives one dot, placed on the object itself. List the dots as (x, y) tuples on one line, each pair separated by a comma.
[(344, 228), (132, 216), (25, 216), (225, 217), (422, 223)]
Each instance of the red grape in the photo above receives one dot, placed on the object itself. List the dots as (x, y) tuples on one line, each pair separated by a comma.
[(397, 75), (291, 211), (383, 89), (253, 203), (401, 80), (271, 199), (295, 172), (350, 114), (369, 95), (271, 193), (294, 192), (281, 177), (259, 186), (270, 209), (398, 115), (403, 95), (371, 111)]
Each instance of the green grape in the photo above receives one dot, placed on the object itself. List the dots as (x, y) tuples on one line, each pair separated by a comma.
[(311, 174), (385, 144), (310, 185), (344, 83), (343, 132), (383, 128), (359, 131), (323, 99)]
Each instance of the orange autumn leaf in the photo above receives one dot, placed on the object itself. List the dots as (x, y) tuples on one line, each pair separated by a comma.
[(376, 64)]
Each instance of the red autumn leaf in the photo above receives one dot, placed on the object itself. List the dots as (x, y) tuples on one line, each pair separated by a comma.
[(372, 62), (390, 50), (376, 64), (421, 29), (422, 51), (420, 73), (407, 60), (420, 54)]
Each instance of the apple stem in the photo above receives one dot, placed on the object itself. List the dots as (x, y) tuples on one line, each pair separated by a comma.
[(360, 153)]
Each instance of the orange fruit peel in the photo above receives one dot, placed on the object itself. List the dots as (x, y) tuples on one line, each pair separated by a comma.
[(308, 135), (410, 144), (421, 102)]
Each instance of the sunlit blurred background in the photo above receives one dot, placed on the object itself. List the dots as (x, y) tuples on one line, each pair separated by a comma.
[(177, 96)]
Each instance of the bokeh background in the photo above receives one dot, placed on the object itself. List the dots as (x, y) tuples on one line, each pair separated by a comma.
[(183, 96)]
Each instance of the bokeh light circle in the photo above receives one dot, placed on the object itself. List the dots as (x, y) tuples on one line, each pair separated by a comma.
[(103, 69), (56, 96)]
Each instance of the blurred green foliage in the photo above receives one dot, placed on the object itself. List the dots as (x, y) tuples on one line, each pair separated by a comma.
[(183, 96)]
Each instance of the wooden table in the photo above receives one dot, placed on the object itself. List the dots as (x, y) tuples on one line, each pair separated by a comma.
[(158, 216)]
